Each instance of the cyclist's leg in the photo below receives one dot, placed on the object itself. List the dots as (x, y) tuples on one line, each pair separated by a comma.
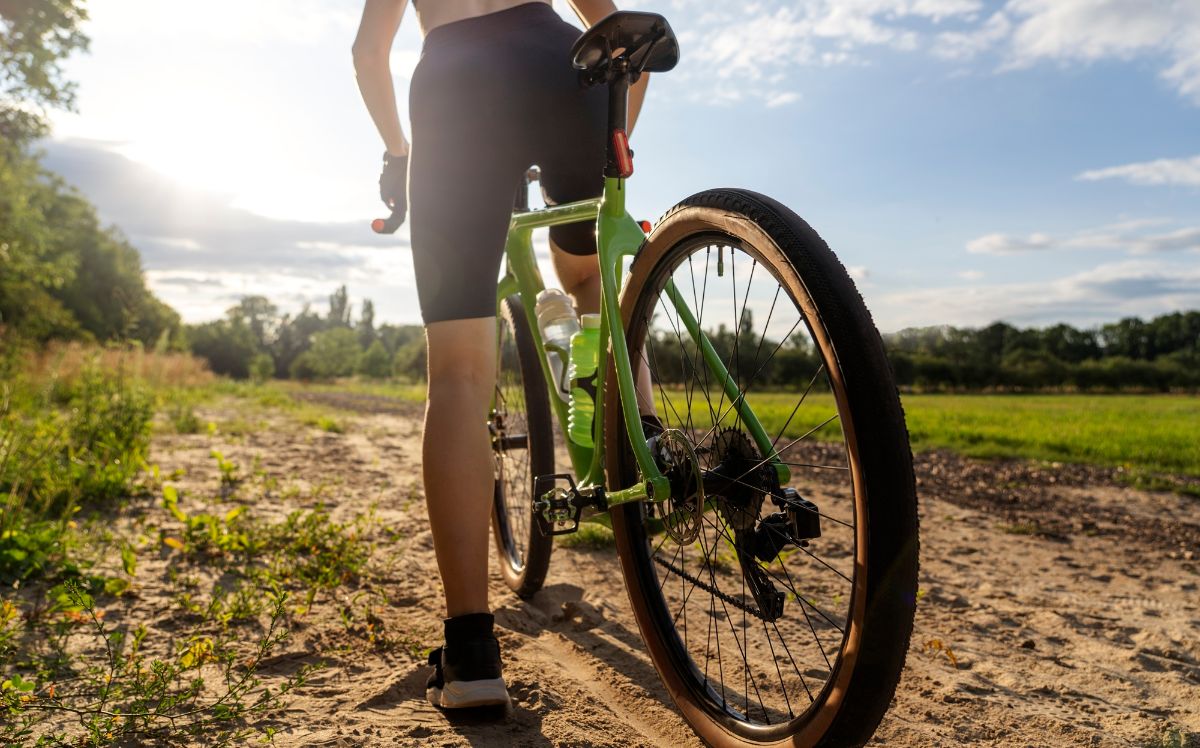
[(579, 275), (463, 166), (457, 456)]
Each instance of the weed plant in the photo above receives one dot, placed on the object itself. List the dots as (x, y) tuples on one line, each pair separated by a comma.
[(121, 695), (73, 669)]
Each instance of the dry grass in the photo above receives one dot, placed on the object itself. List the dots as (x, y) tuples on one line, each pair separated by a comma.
[(67, 360)]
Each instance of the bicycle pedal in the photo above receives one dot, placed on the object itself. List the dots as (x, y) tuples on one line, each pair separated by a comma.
[(557, 510)]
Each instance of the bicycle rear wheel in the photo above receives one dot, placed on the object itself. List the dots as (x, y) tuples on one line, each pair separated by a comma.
[(523, 444), (764, 637)]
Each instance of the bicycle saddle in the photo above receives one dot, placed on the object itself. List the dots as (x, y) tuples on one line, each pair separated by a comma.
[(644, 39)]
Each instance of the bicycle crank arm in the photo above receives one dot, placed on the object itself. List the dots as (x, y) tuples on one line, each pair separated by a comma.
[(513, 441)]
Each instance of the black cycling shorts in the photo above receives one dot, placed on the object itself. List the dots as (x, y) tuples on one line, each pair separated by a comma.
[(491, 96)]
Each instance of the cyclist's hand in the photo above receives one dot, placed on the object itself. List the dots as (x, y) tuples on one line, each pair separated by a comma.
[(393, 186)]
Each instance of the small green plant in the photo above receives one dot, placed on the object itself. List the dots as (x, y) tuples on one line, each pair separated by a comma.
[(590, 536), (183, 418), (125, 696), (206, 534), (229, 473), (1021, 528), (325, 423)]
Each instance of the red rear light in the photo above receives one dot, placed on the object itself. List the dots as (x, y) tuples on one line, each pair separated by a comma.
[(645, 227), (621, 150)]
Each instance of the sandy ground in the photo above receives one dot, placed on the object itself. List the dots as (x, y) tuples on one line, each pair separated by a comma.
[(1068, 604)]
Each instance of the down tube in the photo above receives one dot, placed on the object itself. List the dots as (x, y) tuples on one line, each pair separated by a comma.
[(736, 397)]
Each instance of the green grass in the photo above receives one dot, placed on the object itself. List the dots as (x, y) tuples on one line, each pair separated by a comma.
[(1139, 432), (1145, 432)]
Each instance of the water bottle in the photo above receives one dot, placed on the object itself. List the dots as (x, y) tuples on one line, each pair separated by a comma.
[(557, 321), (585, 355)]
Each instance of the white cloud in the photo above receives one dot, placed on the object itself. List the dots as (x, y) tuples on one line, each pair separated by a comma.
[(1144, 288), (964, 45), (1003, 244), (763, 41), (1165, 171), (201, 253), (782, 98), (1088, 31), (1133, 237)]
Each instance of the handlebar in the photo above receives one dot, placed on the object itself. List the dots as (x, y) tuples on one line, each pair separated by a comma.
[(387, 225)]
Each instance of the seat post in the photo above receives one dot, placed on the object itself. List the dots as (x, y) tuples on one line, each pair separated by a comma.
[(618, 113)]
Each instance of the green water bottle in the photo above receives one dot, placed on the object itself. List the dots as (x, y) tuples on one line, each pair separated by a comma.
[(585, 354)]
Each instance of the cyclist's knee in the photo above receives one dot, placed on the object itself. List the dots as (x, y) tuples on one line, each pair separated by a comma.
[(461, 356)]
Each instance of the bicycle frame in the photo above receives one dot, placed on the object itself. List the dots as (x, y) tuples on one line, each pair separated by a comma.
[(617, 236)]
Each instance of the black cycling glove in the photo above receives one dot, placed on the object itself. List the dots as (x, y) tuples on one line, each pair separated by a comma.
[(393, 185)]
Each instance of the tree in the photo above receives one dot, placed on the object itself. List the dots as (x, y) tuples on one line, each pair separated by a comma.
[(260, 315), (35, 38), (61, 274), (334, 353), (262, 367), (375, 363), (339, 308), (366, 324), (228, 345), (293, 338)]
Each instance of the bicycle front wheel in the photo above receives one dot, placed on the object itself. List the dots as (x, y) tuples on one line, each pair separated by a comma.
[(777, 613), (523, 445)]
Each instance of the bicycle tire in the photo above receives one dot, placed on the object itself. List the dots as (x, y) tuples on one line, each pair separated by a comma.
[(861, 677), (522, 405)]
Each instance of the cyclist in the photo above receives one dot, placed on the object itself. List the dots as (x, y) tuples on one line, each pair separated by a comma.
[(493, 93)]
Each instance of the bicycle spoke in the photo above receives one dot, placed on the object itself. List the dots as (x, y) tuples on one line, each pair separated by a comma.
[(750, 668)]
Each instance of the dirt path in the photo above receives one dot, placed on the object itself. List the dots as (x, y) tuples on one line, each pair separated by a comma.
[(1056, 608)]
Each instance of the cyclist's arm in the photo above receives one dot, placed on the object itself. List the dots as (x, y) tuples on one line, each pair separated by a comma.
[(590, 12), (372, 47)]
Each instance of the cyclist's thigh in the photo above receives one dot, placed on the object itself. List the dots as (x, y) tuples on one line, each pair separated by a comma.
[(571, 150), (462, 177)]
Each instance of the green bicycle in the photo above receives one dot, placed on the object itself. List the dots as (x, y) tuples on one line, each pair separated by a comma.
[(766, 522)]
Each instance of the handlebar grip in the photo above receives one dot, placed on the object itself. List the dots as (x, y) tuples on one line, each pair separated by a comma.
[(387, 225)]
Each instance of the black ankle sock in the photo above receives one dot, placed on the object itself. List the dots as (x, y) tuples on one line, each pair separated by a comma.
[(470, 627)]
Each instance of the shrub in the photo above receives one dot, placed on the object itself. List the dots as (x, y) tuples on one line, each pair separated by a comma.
[(262, 367), (375, 363)]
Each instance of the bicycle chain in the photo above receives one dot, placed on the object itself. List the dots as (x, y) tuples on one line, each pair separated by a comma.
[(712, 590)]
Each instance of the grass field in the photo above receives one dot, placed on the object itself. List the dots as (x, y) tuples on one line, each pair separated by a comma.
[(1141, 432), (1153, 432)]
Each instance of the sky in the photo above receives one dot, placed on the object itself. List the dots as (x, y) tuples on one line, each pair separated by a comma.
[(1032, 161)]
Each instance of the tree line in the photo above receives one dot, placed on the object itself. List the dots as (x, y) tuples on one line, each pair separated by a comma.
[(253, 340), (1161, 354), (62, 274)]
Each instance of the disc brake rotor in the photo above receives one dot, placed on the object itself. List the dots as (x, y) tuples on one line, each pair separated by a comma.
[(683, 510)]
